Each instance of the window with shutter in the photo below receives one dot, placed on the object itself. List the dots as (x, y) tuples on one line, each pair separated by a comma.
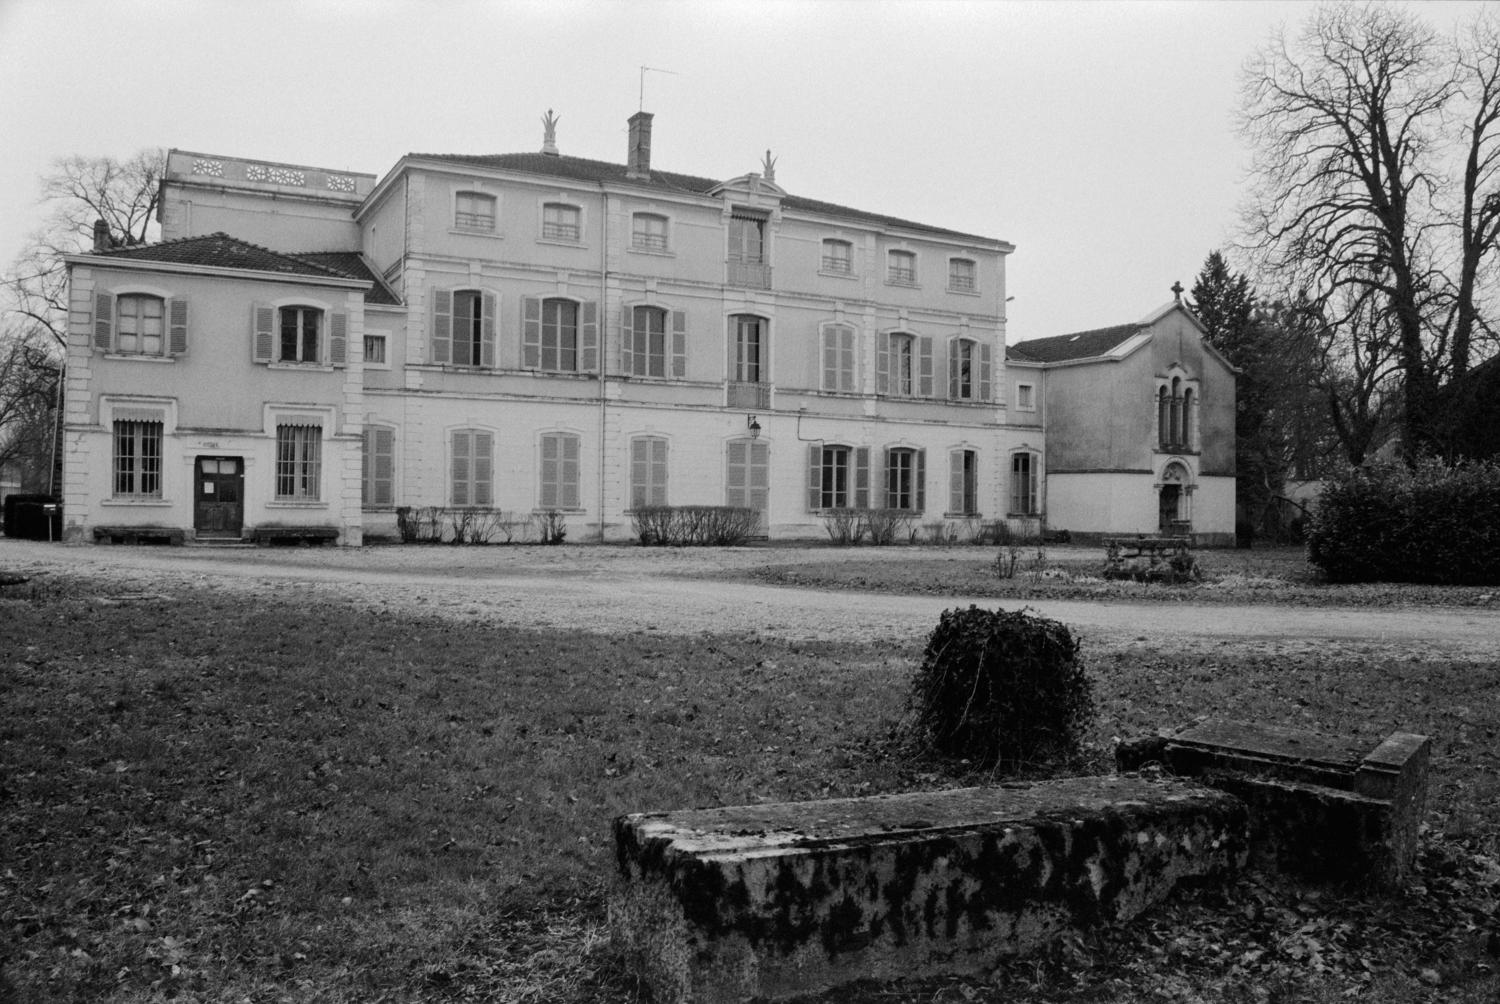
[(648, 471), (647, 348), (378, 467), (838, 358), (140, 325), (904, 477), (560, 469), (1023, 484), (963, 483), (468, 327), (558, 336), (747, 477), (561, 222), (472, 455), (838, 477), (298, 329)]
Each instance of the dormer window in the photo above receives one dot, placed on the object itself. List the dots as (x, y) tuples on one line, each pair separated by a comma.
[(838, 257), (474, 211), (561, 222), (901, 268), (961, 275)]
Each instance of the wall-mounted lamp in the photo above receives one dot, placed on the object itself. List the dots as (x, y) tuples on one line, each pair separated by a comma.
[(753, 426)]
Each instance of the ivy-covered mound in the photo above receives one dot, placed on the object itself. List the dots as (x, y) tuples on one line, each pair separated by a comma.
[(1427, 523), (1001, 689)]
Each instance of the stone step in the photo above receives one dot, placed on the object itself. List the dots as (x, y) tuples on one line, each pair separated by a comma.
[(773, 901)]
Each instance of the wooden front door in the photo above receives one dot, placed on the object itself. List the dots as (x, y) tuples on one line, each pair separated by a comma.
[(219, 496)]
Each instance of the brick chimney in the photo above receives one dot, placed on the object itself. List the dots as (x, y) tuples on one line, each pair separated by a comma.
[(638, 159), (102, 241)]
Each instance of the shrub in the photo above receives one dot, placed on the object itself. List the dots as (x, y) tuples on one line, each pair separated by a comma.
[(883, 526), (552, 528), (694, 525), (844, 526), (1001, 689), (1428, 523)]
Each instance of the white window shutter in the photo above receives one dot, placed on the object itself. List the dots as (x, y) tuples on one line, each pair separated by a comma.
[(830, 359), (862, 477), (640, 472), (984, 371), (338, 337), (484, 468), (737, 473), (627, 341), (679, 344), (531, 332), (919, 478), (956, 481), (953, 378), (759, 476), (442, 326), (263, 332), (462, 468), (588, 337), (177, 326), (883, 363), (384, 476), (814, 476), (924, 345), (569, 495), (490, 313), (658, 462)]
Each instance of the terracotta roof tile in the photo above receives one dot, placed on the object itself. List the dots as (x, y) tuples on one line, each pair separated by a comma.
[(1079, 345), (219, 250), (352, 264)]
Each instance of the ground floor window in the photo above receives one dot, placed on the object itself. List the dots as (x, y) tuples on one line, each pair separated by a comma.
[(747, 477), (378, 467), (838, 477), (299, 462), (473, 467), (963, 483), (560, 471), (138, 459), (905, 479), (1024, 477), (648, 471)]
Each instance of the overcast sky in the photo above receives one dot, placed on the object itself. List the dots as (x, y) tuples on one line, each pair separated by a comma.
[(1096, 137)]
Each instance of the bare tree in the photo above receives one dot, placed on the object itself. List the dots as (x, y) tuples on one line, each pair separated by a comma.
[(29, 378), (1367, 207)]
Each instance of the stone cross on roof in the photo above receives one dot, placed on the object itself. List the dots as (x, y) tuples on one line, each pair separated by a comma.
[(1177, 292)]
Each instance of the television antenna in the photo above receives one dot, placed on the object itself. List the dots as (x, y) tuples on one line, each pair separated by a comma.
[(653, 69)]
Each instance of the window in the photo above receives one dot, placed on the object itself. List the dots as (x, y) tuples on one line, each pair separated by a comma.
[(838, 257), (838, 477), (1174, 415), (748, 349), (560, 222), (378, 467), (747, 237), (838, 358), (474, 211), (901, 268), (468, 327), (1024, 476), (1163, 419), (138, 459), (903, 365), (1025, 397), (299, 464), (473, 469), (747, 477), (648, 232), (463, 327), (139, 325), (646, 347), (648, 471), (968, 370), (560, 336), (298, 342), (961, 275), (905, 479), (963, 483), (560, 469), (375, 349), (1187, 419), (903, 355)]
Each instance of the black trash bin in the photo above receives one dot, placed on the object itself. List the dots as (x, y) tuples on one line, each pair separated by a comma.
[(33, 517)]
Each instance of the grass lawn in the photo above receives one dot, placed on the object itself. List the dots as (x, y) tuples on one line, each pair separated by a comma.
[(213, 799)]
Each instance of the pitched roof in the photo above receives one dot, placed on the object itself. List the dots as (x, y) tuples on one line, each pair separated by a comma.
[(584, 169), (219, 250), (1080, 345), (352, 264)]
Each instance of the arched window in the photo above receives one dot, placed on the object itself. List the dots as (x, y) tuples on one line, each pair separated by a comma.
[(561, 222), (1187, 418), (1163, 421), (1176, 436), (474, 211)]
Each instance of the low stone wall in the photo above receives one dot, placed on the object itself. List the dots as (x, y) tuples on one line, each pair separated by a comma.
[(777, 900)]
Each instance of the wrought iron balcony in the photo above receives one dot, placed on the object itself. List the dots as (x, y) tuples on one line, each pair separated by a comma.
[(748, 395), (751, 274)]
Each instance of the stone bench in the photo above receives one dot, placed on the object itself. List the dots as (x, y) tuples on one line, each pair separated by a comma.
[(265, 536), (778, 900), (138, 535), (1145, 546), (1321, 806)]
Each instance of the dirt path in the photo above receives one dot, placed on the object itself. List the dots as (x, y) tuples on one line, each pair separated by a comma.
[(611, 589)]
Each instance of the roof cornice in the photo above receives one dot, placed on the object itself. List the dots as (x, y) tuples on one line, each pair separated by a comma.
[(219, 271)]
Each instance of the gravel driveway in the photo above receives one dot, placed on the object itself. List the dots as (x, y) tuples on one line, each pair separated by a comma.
[(616, 589)]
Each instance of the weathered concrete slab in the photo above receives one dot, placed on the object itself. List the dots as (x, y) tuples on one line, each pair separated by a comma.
[(771, 901), (1321, 806)]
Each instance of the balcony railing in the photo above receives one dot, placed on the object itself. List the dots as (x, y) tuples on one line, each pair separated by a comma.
[(649, 242), (752, 274), (560, 231), (840, 265), (901, 276), (961, 283), (748, 395), (473, 221)]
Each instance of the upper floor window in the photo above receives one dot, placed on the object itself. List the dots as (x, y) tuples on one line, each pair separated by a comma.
[(375, 349), (903, 365), (560, 222), (646, 342), (839, 371), (298, 340), (648, 232), (747, 348), (968, 370), (901, 268), (961, 275), (140, 324), (747, 237), (560, 336), (137, 459), (838, 257), (1025, 397), (1174, 415), (463, 327), (474, 211)]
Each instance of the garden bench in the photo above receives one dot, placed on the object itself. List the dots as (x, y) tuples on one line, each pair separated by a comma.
[(787, 899), (138, 535), (1156, 547), (268, 535)]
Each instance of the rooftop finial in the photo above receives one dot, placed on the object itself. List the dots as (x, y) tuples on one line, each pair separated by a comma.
[(549, 133), (1177, 292), (769, 167)]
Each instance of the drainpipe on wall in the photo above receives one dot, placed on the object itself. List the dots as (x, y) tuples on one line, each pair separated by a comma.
[(603, 341)]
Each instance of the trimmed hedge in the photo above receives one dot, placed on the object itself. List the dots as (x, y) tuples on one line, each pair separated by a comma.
[(1430, 523), (1001, 689), (694, 525)]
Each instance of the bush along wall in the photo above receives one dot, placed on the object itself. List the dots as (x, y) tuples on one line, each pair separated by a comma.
[(1001, 690), (1429, 523)]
